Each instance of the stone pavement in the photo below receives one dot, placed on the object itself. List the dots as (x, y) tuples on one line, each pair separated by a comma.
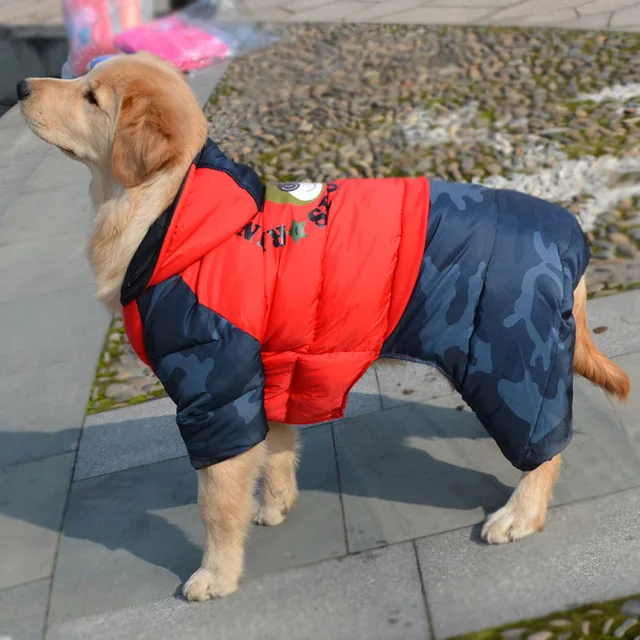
[(382, 544), (579, 14), (573, 14)]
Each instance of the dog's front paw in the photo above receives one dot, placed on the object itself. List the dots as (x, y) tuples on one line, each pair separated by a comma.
[(205, 585), (509, 524)]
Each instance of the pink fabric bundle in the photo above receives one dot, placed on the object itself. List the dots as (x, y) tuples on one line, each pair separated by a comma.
[(186, 46)]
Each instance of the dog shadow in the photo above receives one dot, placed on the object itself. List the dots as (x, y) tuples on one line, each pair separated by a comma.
[(413, 454)]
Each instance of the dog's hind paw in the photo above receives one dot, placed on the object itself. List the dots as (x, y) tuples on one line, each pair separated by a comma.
[(205, 585), (509, 524), (269, 516), (275, 509)]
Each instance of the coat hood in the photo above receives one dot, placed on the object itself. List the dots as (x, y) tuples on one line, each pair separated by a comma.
[(207, 210)]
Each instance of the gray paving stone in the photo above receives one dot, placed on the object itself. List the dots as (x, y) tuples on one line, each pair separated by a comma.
[(418, 470), (128, 538), (626, 19), (32, 499), (620, 313), (20, 155), (598, 6), (23, 610), (134, 536), (630, 413), (364, 397), (402, 382), (11, 128), (266, 5), (56, 171), (296, 6), (549, 19), (43, 410), (588, 552), (376, 596), (314, 530), (600, 459), (203, 82), (12, 119), (337, 11), (474, 3), (129, 437), (48, 214), (271, 14), (67, 326), (43, 266), (591, 21), (21, 146), (531, 8), (437, 14), (380, 10)]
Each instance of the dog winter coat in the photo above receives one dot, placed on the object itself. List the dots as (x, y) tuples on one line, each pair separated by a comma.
[(255, 303)]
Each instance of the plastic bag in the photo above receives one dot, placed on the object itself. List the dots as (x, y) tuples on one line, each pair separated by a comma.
[(93, 24), (200, 35)]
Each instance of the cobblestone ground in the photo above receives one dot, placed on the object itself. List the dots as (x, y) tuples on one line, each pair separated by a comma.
[(613, 619), (552, 113)]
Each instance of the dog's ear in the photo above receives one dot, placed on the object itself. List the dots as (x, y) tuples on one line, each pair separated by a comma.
[(145, 139)]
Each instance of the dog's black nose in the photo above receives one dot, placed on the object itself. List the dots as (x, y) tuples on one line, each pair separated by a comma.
[(23, 89)]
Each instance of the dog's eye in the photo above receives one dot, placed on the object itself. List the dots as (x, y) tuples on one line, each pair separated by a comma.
[(90, 97)]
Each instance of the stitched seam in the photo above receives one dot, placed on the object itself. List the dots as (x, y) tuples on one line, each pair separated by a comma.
[(389, 295), (238, 182), (476, 310), (317, 310), (528, 448), (555, 350), (552, 361)]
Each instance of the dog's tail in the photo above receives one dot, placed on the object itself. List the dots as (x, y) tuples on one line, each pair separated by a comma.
[(588, 360)]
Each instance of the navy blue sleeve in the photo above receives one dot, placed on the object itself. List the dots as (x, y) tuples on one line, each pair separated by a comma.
[(210, 368)]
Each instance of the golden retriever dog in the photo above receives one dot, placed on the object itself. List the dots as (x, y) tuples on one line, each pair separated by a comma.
[(133, 121)]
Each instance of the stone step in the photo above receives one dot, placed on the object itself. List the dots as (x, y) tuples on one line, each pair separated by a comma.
[(417, 469), (587, 554), (375, 595)]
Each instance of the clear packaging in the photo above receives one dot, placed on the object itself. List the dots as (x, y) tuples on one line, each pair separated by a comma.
[(198, 36), (92, 26)]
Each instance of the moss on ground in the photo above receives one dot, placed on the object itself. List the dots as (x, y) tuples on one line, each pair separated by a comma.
[(115, 346), (596, 614)]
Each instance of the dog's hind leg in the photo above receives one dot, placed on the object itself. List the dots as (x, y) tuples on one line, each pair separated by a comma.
[(225, 502), (279, 489), (526, 511)]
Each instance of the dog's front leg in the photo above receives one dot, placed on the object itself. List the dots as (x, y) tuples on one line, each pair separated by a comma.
[(225, 502), (526, 511), (279, 489)]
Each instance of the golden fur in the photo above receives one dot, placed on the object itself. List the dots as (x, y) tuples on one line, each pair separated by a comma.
[(588, 360), (134, 122), (137, 127)]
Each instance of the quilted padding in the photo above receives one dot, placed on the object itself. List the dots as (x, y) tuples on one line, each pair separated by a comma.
[(492, 309), (317, 274)]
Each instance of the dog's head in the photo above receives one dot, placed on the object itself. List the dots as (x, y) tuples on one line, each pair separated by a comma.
[(131, 115)]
